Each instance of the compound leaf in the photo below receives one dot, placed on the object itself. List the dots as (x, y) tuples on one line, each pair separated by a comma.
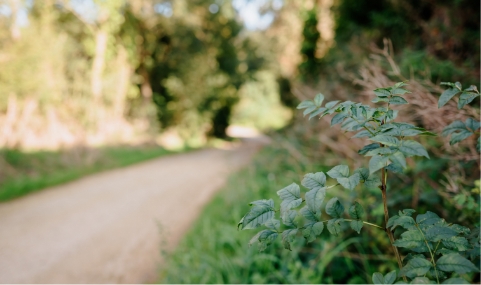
[(416, 267), (356, 211), (289, 218), (334, 208), (386, 140), (314, 199), (368, 148), (410, 239), (261, 212), (457, 137), (410, 147), (472, 124), (377, 162), (357, 226), (455, 263), (312, 230), (427, 219), (397, 100), (466, 98), (334, 227), (351, 182), (339, 171), (314, 181), (273, 224), (265, 238), (288, 237), (290, 196), (309, 215), (447, 95), (455, 280), (457, 243)]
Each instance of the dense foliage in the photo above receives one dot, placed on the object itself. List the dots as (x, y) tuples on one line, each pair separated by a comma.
[(388, 151)]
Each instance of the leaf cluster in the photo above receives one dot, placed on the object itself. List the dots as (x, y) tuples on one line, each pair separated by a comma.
[(437, 249), (460, 130)]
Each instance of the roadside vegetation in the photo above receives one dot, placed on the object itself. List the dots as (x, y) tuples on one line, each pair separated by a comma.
[(376, 44), (27, 172)]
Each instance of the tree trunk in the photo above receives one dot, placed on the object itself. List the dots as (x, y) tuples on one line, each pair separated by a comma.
[(98, 66)]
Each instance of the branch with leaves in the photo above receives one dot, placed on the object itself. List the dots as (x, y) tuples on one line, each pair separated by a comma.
[(390, 145)]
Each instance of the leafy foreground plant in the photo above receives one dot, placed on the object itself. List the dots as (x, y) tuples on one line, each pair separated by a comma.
[(438, 250)]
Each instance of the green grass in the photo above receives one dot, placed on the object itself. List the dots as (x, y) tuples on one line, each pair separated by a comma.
[(26, 172), (214, 251)]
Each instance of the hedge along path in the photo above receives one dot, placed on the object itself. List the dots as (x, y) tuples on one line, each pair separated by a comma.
[(108, 227)]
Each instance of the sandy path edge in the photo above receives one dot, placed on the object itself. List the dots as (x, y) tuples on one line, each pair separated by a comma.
[(106, 228)]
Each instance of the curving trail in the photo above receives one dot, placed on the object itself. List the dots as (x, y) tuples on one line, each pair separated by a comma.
[(108, 227)]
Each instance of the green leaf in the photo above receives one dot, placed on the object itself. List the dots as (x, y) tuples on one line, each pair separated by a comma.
[(396, 100), (289, 218), (390, 277), (362, 134), (394, 167), (457, 137), (318, 100), (334, 227), (458, 85), (312, 230), (314, 199), (373, 182), (410, 147), (334, 208), (460, 229), (427, 219), (265, 238), (357, 226), (398, 158), (317, 112), (288, 237), (356, 211), (472, 124), (290, 196), (314, 181), (338, 118), (377, 162), (437, 233), (422, 280), (260, 213), (457, 243), (339, 171), (368, 148), (363, 172), (273, 224), (466, 98), (416, 267), (351, 182), (382, 92), (381, 150), (447, 95), (410, 239), (399, 91), (457, 263), (377, 278), (331, 104), (404, 221), (306, 104), (310, 215), (380, 99), (455, 280), (454, 126), (309, 110), (386, 140)]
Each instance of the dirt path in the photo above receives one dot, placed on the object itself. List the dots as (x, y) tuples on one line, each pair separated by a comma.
[(107, 228)]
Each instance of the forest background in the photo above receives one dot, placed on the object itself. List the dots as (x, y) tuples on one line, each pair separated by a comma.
[(96, 84)]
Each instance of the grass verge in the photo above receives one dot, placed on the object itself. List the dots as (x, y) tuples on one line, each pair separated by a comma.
[(26, 172), (214, 251)]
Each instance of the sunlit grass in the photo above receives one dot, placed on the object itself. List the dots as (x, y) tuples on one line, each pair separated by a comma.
[(26, 172)]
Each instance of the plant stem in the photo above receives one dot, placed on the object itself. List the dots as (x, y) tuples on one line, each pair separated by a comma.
[(430, 252), (364, 222), (386, 218)]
